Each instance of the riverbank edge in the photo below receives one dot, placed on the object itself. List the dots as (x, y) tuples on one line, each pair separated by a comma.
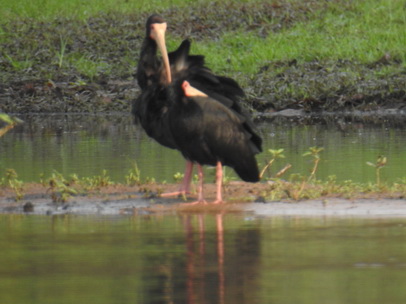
[(130, 201)]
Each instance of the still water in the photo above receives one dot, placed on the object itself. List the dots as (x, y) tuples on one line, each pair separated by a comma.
[(87, 144), (201, 258)]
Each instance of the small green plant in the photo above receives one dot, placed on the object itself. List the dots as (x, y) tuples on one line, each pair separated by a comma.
[(297, 184), (61, 54), (283, 170), (315, 153), (42, 179), (178, 177), (134, 176), (61, 189), (20, 65), (275, 155), (99, 181), (150, 180), (331, 185), (88, 67), (16, 185), (298, 187), (227, 178), (378, 165), (78, 83)]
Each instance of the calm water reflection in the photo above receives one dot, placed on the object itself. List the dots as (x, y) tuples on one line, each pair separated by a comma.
[(87, 144), (198, 258)]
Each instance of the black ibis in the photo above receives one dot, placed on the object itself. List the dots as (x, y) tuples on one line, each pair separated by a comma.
[(185, 106), (209, 133)]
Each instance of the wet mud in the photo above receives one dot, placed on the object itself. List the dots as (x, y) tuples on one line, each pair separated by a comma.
[(240, 197)]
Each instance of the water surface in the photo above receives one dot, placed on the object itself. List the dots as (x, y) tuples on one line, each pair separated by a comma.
[(201, 258), (88, 144)]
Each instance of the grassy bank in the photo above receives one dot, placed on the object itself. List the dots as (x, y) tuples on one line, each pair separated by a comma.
[(361, 31), (43, 10), (61, 189), (74, 56)]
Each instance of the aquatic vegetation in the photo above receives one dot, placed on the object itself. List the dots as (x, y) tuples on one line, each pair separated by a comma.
[(295, 187), (134, 176), (274, 186), (178, 177), (10, 180), (275, 155), (300, 187), (314, 152), (150, 180), (98, 181), (61, 189), (378, 165), (227, 177)]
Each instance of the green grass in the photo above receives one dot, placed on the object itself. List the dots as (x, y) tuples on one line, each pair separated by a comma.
[(45, 10), (284, 51), (358, 30), (363, 31), (298, 187)]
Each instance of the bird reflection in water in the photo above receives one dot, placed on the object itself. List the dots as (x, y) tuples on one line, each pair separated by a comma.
[(195, 283), (219, 264)]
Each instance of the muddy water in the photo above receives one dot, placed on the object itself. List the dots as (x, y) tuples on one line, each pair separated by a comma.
[(87, 144), (198, 258)]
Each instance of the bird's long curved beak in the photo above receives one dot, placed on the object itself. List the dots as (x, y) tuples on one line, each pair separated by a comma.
[(158, 34)]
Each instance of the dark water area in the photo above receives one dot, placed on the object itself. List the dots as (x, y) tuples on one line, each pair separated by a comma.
[(88, 144), (201, 258)]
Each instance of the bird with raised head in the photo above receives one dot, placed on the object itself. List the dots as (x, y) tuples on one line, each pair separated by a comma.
[(183, 105)]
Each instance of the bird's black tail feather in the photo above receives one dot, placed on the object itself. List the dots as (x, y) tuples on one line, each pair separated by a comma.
[(247, 169)]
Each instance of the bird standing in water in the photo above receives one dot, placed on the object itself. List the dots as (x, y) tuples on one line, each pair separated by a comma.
[(185, 106)]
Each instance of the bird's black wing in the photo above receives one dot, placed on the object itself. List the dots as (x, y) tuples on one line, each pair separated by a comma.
[(207, 131), (221, 89), (150, 110)]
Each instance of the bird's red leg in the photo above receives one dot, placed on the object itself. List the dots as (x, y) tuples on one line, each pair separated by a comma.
[(219, 183), (185, 186), (200, 198)]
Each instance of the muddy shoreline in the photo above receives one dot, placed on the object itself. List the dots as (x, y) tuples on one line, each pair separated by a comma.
[(117, 95), (241, 198), (138, 206)]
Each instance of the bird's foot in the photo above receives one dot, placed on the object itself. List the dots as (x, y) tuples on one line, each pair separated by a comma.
[(199, 202), (182, 194), (218, 201)]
